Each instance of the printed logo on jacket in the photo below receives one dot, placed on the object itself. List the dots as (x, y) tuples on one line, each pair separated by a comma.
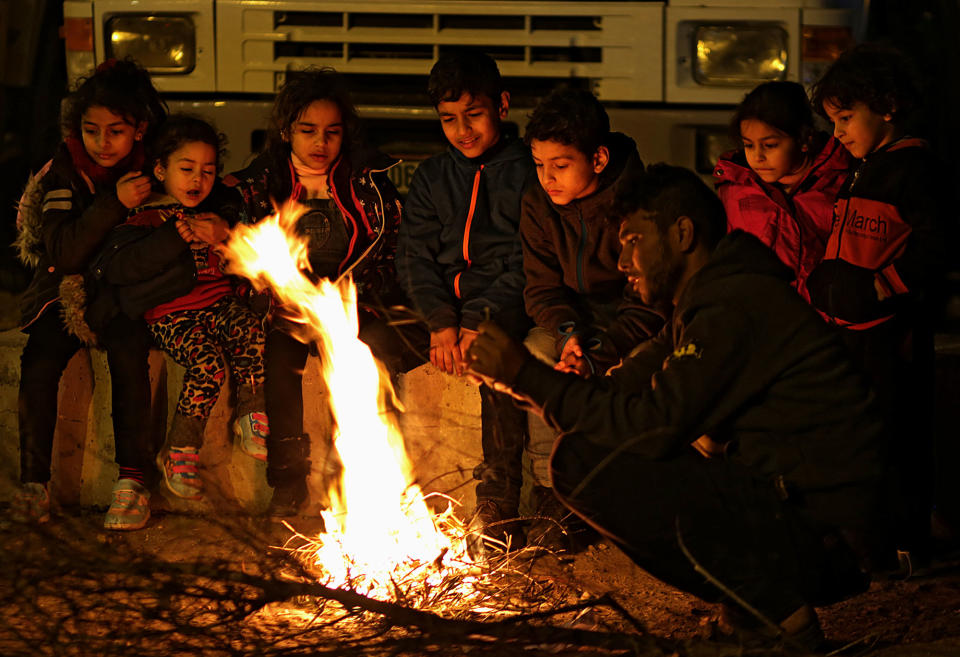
[(867, 233)]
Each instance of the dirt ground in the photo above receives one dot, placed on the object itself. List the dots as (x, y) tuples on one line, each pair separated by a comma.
[(70, 587)]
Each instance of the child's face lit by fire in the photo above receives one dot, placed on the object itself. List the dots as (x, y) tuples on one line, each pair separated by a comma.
[(859, 128), (316, 137), (565, 172), (472, 123), (189, 173), (107, 137)]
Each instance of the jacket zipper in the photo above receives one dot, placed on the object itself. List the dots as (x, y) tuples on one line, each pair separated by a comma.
[(466, 231), (581, 250)]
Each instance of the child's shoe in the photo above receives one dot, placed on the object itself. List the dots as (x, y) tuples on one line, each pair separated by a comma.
[(251, 431), (181, 474), (130, 508), (31, 504)]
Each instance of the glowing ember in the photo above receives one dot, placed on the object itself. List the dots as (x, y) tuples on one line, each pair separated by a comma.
[(380, 531)]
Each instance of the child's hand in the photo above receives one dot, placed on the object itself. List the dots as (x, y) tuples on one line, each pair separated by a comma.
[(209, 228), (572, 359), (133, 188), (445, 350), (881, 293)]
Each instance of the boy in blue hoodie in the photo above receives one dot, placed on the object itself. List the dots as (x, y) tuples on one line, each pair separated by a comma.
[(460, 259)]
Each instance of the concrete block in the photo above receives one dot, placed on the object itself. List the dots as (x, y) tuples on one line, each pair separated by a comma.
[(441, 426)]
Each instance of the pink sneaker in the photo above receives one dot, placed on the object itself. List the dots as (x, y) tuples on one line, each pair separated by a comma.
[(130, 508), (251, 432), (181, 473)]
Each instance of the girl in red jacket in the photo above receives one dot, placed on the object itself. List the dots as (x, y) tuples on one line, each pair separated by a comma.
[(782, 184)]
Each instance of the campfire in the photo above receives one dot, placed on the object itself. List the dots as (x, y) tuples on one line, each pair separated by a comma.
[(381, 538)]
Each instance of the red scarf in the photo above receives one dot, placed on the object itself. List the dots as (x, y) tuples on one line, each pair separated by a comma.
[(101, 175)]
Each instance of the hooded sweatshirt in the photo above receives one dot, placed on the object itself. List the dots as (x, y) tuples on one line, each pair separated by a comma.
[(746, 361), (570, 255), (459, 256), (795, 225)]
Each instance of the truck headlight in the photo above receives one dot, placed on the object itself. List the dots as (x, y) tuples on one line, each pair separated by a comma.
[(161, 44), (739, 54)]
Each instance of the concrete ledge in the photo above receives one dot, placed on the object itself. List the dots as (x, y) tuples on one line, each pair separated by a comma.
[(441, 427)]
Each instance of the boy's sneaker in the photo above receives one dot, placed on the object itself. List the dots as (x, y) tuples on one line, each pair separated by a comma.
[(251, 432), (181, 474), (31, 504), (130, 508)]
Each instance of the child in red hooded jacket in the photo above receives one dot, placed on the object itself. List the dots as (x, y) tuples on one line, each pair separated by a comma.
[(782, 183)]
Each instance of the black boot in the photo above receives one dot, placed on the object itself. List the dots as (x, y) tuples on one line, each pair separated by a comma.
[(548, 527), (288, 498), (494, 530), (288, 465)]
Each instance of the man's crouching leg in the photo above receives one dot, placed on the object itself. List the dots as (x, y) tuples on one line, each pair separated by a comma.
[(729, 521)]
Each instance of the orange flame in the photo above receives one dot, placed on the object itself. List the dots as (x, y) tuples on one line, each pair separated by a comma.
[(381, 522)]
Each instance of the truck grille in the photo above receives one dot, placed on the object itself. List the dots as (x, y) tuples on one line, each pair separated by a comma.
[(615, 48)]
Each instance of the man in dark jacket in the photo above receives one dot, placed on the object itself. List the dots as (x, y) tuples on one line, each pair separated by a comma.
[(791, 463)]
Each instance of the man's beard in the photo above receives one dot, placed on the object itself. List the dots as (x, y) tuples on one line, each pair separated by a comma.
[(663, 282)]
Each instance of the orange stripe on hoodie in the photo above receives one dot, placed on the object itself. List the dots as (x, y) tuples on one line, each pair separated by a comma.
[(466, 230)]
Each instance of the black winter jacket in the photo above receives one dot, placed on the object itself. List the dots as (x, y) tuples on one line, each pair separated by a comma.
[(364, 195), (747, 362), (459, 255), (74, 220), (141, 267)]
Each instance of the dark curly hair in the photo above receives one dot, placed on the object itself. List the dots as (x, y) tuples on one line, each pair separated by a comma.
[(464, 71), (570, 116), (182, 129), (876, 75), (782, 104), (300, 90), (123, 87), (668, 193)]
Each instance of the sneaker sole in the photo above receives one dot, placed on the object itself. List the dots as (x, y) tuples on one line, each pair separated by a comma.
[(166, 482), (124, 527)]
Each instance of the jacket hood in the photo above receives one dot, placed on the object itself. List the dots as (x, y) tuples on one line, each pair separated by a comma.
[(624, 163), (732, 166), (736, 254)]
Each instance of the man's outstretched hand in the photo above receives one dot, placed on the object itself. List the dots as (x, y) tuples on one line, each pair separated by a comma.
[(495, 356)]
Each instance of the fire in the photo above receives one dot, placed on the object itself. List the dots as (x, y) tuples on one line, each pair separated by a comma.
[(380, 529)]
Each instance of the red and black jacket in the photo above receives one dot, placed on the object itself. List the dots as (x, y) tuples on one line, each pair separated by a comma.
[(366, 198), (889, 232)]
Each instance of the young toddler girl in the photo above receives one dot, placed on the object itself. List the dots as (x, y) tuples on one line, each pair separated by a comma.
[(207, 329)]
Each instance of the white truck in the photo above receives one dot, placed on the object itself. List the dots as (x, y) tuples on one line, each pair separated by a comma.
[(668, 72)]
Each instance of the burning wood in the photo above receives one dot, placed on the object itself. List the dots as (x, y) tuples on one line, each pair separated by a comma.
[(382, 539)]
